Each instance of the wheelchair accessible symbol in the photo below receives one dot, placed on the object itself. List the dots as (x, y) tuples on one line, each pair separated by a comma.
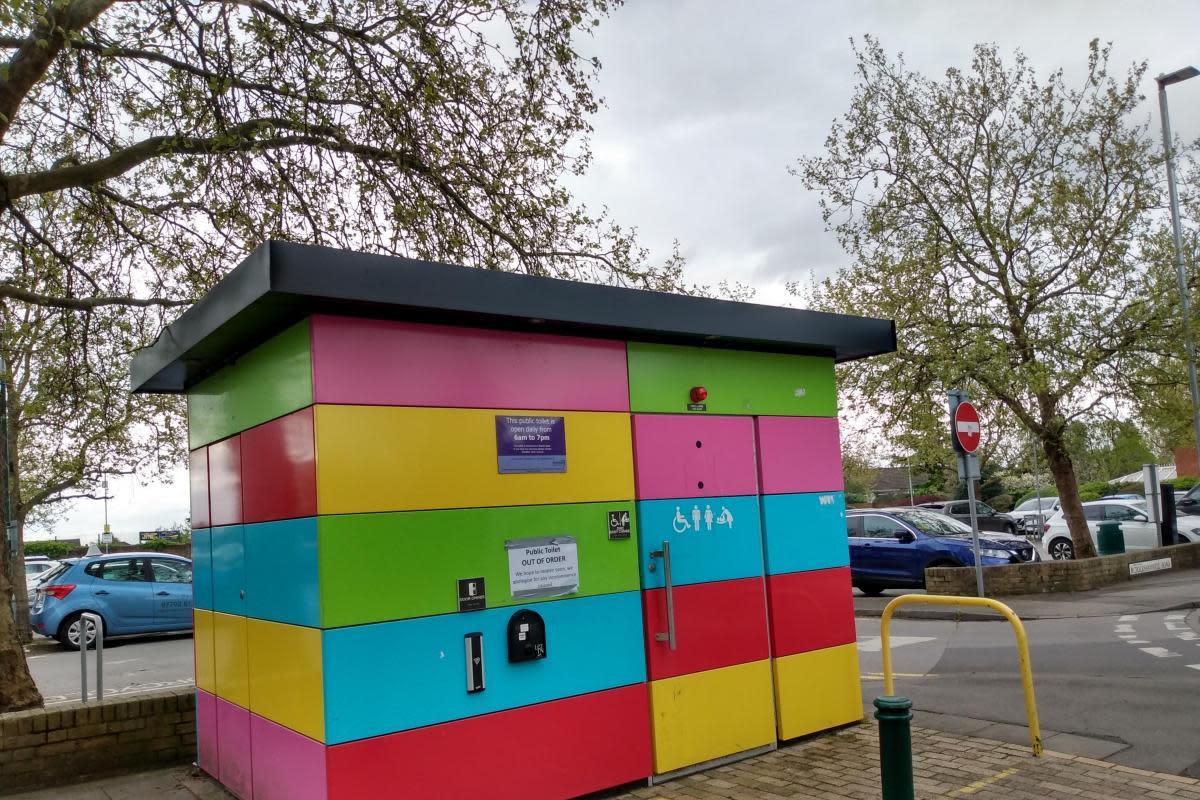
[(680, 524)]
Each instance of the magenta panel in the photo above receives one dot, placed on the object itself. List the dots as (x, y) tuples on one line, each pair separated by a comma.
[(233, 749), (380, 362), (225, 481), (198, 481), (799, 454), (206, 732), (287, 765), (279, 469), (677, 455)]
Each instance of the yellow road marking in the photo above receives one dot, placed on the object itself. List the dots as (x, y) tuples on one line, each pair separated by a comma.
[(878, 676), (971, 788)]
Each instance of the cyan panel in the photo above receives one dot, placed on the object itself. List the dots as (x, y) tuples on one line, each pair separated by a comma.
[(228, 569), (805, 531), (202, 577), (712, 539), (281, 572), (394, 676)]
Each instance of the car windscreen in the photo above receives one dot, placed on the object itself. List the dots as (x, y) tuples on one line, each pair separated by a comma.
[(932, 522)]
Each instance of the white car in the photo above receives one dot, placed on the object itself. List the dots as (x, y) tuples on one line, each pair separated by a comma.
[(1139, 532), (1032, 520), (36, 568)]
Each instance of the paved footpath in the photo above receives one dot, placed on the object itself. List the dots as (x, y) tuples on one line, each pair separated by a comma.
[(846, 765), (838, 766)]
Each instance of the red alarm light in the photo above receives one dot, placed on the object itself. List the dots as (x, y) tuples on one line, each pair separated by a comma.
[(699, 394)]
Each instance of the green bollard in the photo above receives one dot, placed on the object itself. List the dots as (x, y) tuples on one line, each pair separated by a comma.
[(895, 746)]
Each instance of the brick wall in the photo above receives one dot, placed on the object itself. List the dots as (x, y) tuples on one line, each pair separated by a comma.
[(1056, 576), (76, 741)]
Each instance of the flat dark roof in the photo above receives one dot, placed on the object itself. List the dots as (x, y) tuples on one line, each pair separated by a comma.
[(281, 283)]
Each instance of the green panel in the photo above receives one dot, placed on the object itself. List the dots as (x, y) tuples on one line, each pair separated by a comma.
[(377, 567), (661, 378), (271, 380)]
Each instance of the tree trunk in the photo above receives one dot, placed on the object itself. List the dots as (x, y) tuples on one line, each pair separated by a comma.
[(17, 689), (1063, 471)]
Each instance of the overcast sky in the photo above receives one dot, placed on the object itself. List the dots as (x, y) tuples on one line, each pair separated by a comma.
[(709, 102)]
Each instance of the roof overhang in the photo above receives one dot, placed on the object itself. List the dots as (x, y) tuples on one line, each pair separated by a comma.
[(280, 283)]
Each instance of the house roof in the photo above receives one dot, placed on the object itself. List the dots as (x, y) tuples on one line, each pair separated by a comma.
[(280, 283)]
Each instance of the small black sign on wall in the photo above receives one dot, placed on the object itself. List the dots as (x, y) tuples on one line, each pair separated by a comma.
[(471, 594), (618, 525)]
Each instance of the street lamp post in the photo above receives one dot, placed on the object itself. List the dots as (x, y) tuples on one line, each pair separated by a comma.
[(1164, 81)]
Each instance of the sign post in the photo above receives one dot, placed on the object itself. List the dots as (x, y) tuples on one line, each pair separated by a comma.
[(965, 432)]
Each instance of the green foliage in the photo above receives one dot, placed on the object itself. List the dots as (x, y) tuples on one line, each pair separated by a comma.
[(49, 548), (1183, 482), (998, 217), (1094, 490), (1001, 502)]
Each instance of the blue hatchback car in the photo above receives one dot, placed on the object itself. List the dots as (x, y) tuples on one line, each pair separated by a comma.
[(891, 547), (132, 593)]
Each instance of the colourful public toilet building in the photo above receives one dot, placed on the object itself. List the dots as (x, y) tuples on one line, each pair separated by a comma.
[(461, 533)]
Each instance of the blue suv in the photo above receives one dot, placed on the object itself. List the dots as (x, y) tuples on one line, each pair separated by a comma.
[(132, 593), (891, 547)]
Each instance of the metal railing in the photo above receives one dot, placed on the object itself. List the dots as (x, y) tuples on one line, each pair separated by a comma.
[(1035, 731), (85, 619)]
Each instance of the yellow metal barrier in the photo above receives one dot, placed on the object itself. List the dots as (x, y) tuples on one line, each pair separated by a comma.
[(1035, 731)]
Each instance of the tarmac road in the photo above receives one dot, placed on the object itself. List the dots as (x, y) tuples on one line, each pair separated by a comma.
[(1130, 683), (130, 665)]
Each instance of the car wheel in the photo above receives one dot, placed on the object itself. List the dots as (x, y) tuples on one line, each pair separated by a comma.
[(71, 628), (1061, 550), (1010, 529), (870, 589)]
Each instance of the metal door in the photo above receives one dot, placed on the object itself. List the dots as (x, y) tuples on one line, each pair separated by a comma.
[(704, 601)]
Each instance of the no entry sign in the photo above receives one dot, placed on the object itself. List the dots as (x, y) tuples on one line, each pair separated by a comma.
[(966, 427)]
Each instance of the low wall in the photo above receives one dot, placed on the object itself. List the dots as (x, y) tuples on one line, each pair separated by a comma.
[(75, 741), (1038, 577)]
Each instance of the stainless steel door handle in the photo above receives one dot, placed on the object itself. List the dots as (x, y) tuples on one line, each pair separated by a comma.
[(665, 555)]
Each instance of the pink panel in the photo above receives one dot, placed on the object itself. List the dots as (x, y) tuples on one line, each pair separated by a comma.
[(225, 481), (287, 765), (378, 362), (233, 749), (799, 454), (279, 469), (198, 480), (679, 455), (206, 732)]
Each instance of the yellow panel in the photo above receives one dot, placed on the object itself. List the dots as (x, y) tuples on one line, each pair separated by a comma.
[(817, 690), (286, 683), (202, 641), (707, 715), (389, 458), (229, 658)]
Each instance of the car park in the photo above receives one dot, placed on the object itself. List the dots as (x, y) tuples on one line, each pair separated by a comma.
[(989, 519), (1136, 528), (892, 547), (132, 593)]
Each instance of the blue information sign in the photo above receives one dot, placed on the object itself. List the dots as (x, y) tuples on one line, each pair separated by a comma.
[(531, 444)]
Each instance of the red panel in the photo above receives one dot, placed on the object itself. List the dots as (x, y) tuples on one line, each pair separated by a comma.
[(279, 469), (810, 610), (379, 362), (225, 481), (198, 479), (717, 624), (549, 751)]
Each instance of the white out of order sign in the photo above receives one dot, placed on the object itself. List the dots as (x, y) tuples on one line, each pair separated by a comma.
[(547, 566)]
